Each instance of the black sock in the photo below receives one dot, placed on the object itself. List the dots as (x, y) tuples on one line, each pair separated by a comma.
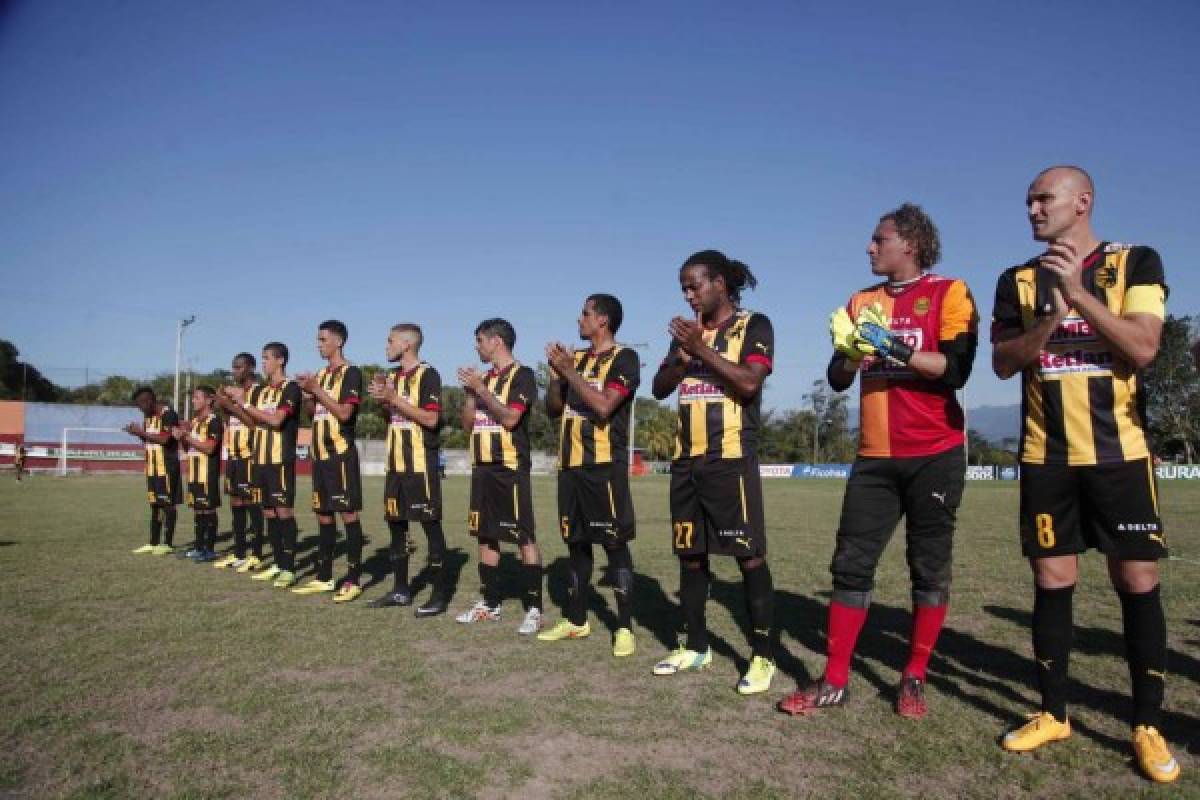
[(326, 544), (693, 594), (210, 541), (1146, 652), (198, 532), (169, 517), (1053, 631), (581, 579), (239, 531), (354, 548), (155, 525), (620, 563), (275, 535), (256, 528), (532, 598), (760, 606), (437, 556), (289, 530), (399, 552), (489, 588)]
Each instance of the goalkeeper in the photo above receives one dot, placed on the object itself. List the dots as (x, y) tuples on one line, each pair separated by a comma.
[(912, 338)]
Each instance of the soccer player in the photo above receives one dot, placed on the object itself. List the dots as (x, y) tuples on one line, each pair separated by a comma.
[(336, 391), (496, 412), (19, 460), (203, 441), (244, 500), (163, 487), (273, 410), (1078, 322), (412, 396), (718, 361), (593, 392), (912, 338)]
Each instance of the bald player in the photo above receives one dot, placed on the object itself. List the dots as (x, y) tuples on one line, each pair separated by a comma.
[(1078, 322)]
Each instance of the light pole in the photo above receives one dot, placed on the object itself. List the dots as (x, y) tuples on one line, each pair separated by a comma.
[(183, 323)]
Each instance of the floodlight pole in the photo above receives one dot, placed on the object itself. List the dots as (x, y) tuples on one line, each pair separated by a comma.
[(183, 323)]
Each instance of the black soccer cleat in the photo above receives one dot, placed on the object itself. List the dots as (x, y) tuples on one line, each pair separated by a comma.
[(435, 606), (391, 599)]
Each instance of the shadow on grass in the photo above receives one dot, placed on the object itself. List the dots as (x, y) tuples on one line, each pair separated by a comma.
[(7, 544)]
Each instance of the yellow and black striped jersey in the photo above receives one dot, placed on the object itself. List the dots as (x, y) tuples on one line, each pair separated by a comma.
[(1082, 403), (516, 387), (239, 437), (162, 459), (713, 420), (412, 448), (206, 469), (583, 440), (272, 446), (330, 436)]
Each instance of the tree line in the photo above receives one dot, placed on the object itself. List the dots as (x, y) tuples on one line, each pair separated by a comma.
[(819, 432)]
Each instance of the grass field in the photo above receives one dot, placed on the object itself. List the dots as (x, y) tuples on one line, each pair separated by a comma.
[(137, 676)]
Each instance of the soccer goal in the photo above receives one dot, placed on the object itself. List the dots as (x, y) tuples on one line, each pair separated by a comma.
[(76, 455)]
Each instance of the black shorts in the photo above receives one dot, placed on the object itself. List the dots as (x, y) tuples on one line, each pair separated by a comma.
[(1111, 507), (415, 496), (164, 490), (501, 505), (276, 484), (204, 496), (337, 483), (594, 504), (239, 484), (717, 507), (926, 491)]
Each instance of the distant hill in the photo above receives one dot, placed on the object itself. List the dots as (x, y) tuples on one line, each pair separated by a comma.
[(994, 423)]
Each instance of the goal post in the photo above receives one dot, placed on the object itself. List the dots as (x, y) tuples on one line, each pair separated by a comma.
[(91, 452)]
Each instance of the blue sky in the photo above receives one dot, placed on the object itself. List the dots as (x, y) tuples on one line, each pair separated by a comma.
[(269, 165)]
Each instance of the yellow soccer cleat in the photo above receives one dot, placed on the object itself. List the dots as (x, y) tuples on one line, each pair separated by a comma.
[(226, 562), (1153, 756), (1041, 729), (162, 550), (565, 629), (758, 677), (312, 587), (347, 592), (681, 659), (143, 550), (284, 580), (623, 643), (249, 564), (269, 574)]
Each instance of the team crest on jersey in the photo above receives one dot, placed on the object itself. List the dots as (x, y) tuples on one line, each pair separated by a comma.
[(1106, 277), (921, 306)]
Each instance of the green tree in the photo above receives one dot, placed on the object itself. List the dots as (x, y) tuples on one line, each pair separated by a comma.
[(1172, 392), (22, 381)]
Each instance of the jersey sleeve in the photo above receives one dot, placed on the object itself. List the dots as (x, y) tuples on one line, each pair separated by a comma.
[(352, 386), (216, 428), (1006, 308), (1145, 285), (958, 334), (291, 400), (626, 373), (430, 391), (760, 342), (169, 418), (523, 393)]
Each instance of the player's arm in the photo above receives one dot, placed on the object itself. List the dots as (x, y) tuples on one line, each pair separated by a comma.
[(1013, 347), (169, 420), (745, 377), (206, 446), (840, 372), (288, 406), (671, 372), (1134, 335), (508, 416), (427, 415), (352, 388), (231, 405), (469, 407), (602, 402)]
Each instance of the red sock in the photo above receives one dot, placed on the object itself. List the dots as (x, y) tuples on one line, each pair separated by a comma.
[(845, 623), (927, 624)]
